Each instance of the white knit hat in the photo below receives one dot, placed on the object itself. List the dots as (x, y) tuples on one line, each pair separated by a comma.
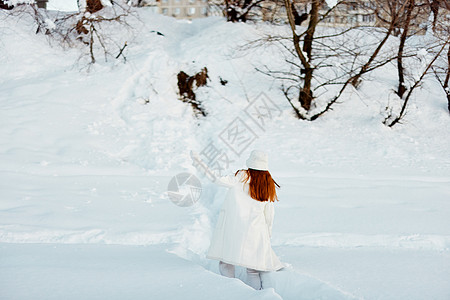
[(258, 160)]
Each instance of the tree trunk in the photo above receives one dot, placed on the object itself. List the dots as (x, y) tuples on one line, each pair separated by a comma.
[(448, 99), (313, 20), (306, 95), (295, 37), (415, 85), (400, 69), (434, 6), (447, 79)]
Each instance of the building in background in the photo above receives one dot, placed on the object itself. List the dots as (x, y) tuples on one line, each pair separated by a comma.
[(180, 9), (352, 13), (348, 13)]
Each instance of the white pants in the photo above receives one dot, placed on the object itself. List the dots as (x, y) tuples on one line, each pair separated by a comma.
[(253, 276)]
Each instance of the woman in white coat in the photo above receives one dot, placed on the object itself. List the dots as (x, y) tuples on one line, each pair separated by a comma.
[(244, 227)]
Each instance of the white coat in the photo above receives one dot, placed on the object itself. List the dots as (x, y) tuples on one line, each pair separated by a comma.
[(243, 230)]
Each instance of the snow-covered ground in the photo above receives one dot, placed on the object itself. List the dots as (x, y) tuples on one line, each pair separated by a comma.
[(85, 162)]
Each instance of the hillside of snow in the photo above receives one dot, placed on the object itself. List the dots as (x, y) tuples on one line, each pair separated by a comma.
[(86, 156)]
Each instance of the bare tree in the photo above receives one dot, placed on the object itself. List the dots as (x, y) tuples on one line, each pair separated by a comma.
[(408, 18), (389, 13), (392, 120), (88, 27), (441, 69), (91, 27), (325, 62), (443, 77), (403, 19), (436, 7), (444, 83), (332, 58)]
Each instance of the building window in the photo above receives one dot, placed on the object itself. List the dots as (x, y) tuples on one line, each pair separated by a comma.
[(368, 18), (191, 11), (165, 11), (351, 19), (204, 10), (176, 11), (370, 5), (191, 1)]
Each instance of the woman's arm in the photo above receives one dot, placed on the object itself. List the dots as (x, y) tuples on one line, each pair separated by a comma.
[(227, 181)]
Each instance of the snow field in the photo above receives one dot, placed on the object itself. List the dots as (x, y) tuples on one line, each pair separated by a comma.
[(85, 162)]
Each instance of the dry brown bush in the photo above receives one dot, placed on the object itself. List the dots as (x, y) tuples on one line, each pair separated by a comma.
[(186, 88)]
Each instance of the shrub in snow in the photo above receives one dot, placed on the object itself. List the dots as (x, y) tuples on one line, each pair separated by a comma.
[(5, 5), (186, 88), (90, 6)]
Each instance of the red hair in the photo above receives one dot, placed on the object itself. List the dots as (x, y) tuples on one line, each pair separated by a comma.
[(261, 185)]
